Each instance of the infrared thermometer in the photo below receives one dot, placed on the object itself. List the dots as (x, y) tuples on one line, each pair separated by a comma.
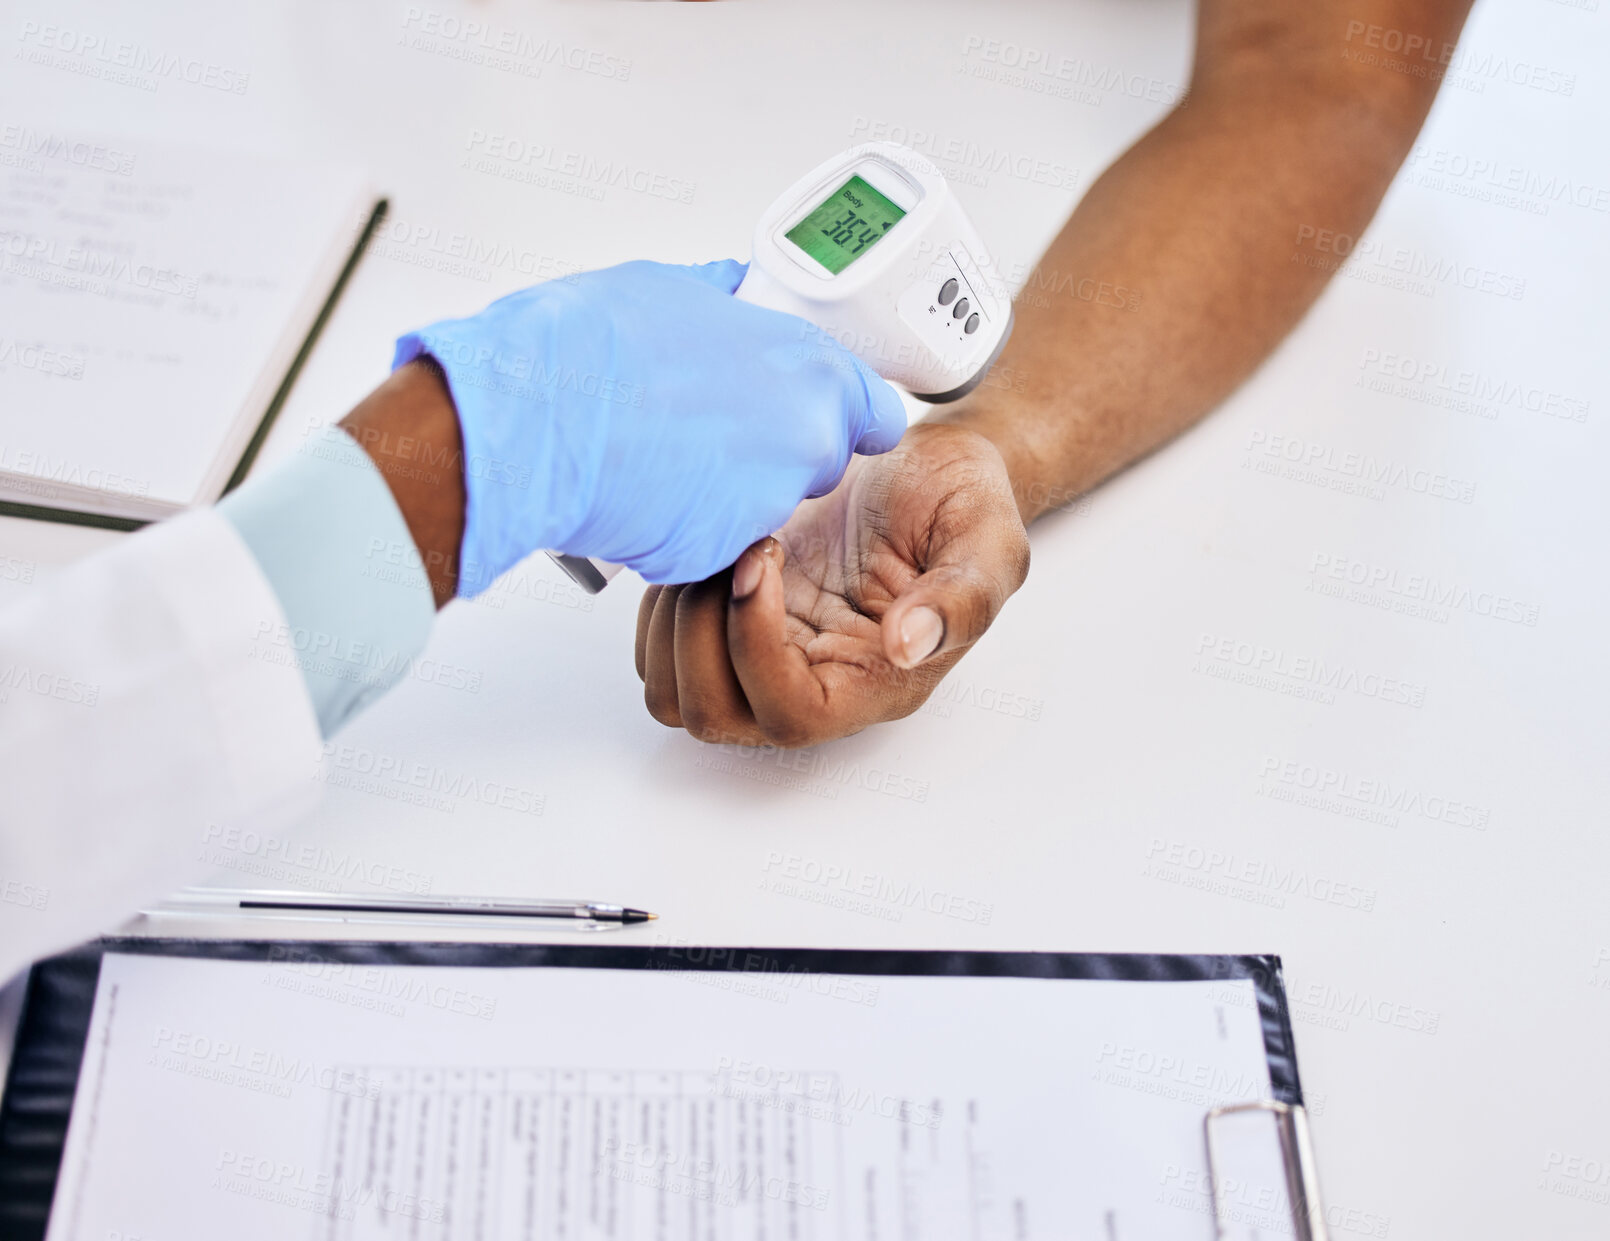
[(873, 248)]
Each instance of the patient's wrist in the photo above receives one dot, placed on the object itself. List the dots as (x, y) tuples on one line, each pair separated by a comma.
[(1027, 437)]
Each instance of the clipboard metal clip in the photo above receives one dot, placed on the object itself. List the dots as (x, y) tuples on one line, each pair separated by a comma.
[(1296, 1157)]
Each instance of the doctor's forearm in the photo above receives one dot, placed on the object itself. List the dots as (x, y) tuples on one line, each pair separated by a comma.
[(1192, 257), (410, 430)]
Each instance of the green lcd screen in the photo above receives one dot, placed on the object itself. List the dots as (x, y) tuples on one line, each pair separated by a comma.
[(846, 225)]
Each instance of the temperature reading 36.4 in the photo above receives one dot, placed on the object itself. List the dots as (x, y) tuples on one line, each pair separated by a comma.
[(842, 231), (845, 224)]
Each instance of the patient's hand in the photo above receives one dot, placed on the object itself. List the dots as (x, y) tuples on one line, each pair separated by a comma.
[(864, 600)]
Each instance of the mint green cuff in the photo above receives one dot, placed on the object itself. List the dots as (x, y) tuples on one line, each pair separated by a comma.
[(333, 544)]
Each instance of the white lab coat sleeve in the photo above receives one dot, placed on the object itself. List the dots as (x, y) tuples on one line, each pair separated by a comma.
[(139, 704)]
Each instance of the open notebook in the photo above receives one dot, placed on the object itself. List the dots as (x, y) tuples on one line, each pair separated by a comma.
[(155, 303)]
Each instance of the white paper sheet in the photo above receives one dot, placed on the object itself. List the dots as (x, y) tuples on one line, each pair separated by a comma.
[(305, 1098), (151, 300)]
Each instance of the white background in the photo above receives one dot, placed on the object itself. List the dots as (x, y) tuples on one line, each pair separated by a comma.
[(1452, 1035)]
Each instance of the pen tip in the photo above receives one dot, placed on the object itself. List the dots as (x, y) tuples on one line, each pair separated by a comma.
[(637, 915)]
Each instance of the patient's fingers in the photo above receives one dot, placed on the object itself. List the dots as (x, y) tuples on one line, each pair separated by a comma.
[(974, 567), (785, 696), (709, 697), (645, 613), (659, 661)]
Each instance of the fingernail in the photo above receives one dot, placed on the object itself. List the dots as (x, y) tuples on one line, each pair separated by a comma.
[(747, 575), (921, 631)]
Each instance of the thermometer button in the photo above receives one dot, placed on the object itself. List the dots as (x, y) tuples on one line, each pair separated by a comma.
[(947, 291), (961, 309), (972, 324)]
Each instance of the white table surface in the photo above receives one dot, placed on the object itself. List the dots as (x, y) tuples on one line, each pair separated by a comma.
[(1083, 781)]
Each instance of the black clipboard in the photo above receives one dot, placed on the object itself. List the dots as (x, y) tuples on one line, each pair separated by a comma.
[(60, 997)]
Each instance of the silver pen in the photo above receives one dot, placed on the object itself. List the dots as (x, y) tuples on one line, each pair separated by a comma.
[(200, 898)]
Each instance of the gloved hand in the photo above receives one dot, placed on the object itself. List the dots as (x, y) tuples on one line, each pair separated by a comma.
[(642, 415)]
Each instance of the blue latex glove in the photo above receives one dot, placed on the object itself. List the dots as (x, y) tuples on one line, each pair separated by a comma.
[(642, 415)]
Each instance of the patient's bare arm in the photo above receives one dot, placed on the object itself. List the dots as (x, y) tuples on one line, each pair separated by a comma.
[(869, 595), (1192, 256)]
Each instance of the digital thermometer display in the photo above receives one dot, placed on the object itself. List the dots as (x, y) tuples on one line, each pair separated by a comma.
[(845, 225)]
